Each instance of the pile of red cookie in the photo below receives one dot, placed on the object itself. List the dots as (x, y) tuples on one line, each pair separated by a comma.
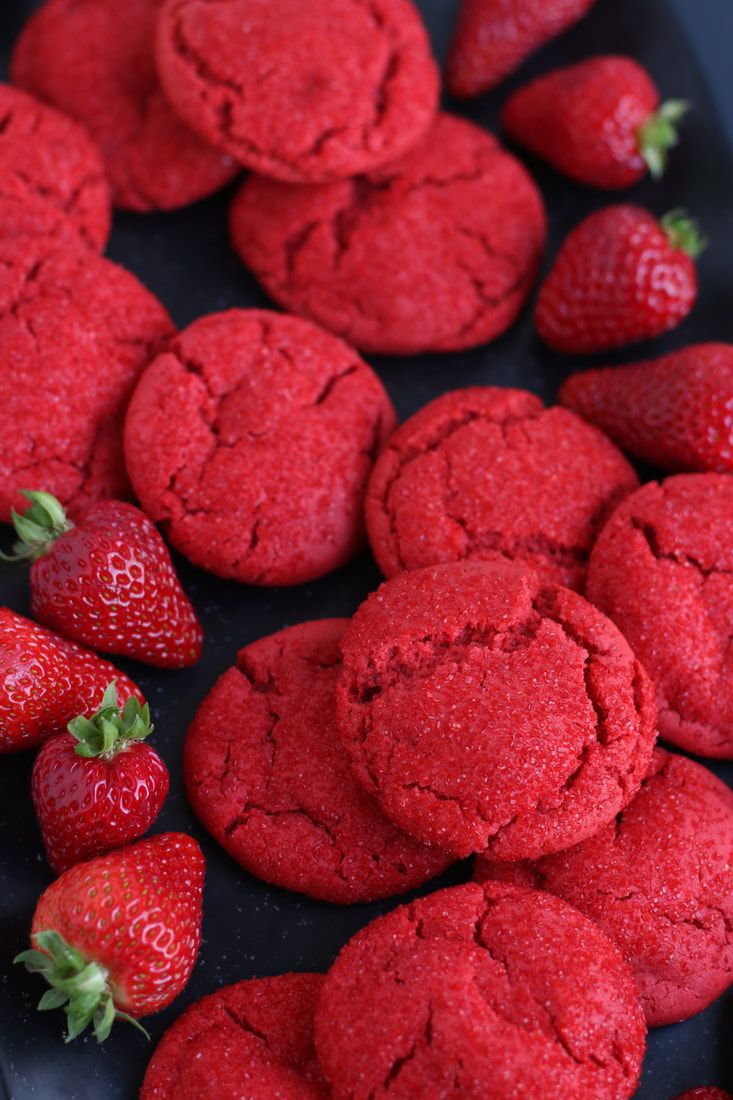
[(545, 617)]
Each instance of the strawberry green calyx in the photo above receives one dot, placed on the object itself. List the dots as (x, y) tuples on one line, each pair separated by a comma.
[(659, 134), (39, 526), (110, 730), (79, 987), (683, 233)]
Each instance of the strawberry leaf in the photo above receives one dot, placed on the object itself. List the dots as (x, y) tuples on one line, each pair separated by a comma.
[(38, 527), (109, 731), (683, 233), (79, 987), (659, 134)]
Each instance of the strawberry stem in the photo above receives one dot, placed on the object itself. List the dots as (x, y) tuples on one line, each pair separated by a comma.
[(659, 134), (110, 730), (79, 987), (683, 233), (38, 528)]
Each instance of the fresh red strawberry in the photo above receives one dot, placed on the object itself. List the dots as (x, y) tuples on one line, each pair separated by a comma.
[(599, 122), (99, 786), (675, 412), (45, 681), (107, 581), (493, 37), (620, 276), (118, 936)]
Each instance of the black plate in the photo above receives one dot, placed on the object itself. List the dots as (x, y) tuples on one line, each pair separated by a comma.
[(251, 929)]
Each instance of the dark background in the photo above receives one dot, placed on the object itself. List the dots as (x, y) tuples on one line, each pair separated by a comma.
[(251, 929)]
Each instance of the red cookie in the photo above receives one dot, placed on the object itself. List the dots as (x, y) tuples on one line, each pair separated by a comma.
[(487, 712), (48, 158), (490, 993), (304, 92), (659, 882), (267, 775), (75, 332), (436, 251), (249, 1041), (492, 474), (662, 569), (94, 60), (251, 440)]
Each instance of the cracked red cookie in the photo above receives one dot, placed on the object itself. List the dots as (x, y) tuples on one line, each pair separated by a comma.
[(304, 92), (491, 474), (49, 159), (99, 68), (268, 777), (253, 1039), (75, 332), (435, 251), (485, 993), (659, 882), (251, 440), (488, 712), (662, 569)]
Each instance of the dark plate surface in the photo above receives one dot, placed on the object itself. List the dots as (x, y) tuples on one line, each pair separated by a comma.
[(251, 929)]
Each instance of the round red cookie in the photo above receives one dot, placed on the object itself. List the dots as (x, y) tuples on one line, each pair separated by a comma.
[(267, 775), (304, 92), (488, 712), (50, 159), (75, 332), (435, 251), (659, 882), (97, 64), (251, 439), (492, 474), (251, 1040), (662, 569), (489, 993)]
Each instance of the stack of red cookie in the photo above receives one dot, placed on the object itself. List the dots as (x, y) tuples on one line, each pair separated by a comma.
[(544, 618)]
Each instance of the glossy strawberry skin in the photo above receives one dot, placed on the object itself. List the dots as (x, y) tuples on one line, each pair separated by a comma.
[(615, 280), (675, 412), (88, 806), (493, 37), (109, 583), (585, 119), (135, 911), (45, 681)]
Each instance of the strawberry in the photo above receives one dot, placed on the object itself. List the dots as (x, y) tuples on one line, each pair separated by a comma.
[(99, 786), (675, 412), (493, 37), (599, 122), (117, 937), (107, 581), (45, 681), (620, 276)]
